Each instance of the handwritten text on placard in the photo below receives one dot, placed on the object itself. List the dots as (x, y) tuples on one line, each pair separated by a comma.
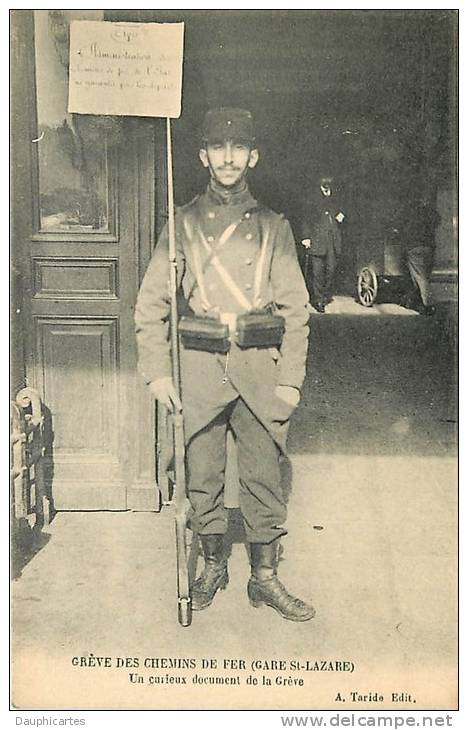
[(126, 68)]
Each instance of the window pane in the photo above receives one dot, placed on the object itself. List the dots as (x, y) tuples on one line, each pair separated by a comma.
[(73, 179)]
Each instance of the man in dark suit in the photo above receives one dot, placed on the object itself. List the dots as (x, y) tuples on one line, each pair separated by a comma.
[(235, 258), (321, 238)]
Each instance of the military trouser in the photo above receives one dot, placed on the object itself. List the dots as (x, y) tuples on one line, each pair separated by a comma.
[(261, 497)]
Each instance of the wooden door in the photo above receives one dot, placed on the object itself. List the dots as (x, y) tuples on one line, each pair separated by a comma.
[(83, 214)]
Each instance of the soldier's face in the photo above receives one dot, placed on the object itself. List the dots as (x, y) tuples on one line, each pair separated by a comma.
[(228, 161)]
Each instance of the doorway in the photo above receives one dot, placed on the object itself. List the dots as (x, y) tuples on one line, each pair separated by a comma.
[(83, 214)]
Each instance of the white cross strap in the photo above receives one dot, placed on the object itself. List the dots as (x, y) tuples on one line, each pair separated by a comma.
[(225, 276)]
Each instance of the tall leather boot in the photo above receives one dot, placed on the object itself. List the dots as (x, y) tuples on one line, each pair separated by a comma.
[(214, 575), (264, 588)]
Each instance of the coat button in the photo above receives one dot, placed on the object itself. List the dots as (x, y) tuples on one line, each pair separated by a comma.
[(248, 286), (211, 214), (210, 239), (247, 216), (248, 262), (248, 236)]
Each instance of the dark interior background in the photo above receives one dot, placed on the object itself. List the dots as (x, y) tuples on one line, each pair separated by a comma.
[(368, 95)]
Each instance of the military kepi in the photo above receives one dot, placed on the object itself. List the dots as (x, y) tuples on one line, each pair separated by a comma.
[(226, 123)]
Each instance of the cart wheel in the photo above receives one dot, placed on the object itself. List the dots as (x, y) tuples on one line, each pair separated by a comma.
[(185, 612), (367, 286)]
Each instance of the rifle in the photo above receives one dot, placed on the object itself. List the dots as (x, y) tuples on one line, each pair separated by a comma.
[(181, 501)]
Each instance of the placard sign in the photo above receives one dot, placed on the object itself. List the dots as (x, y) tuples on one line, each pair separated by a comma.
[(126, 68)]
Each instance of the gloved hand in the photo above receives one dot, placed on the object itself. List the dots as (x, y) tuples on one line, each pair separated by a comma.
[(289, 394), (164, 391)]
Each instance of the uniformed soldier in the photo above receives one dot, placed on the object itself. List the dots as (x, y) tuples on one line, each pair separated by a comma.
[(237, 264)]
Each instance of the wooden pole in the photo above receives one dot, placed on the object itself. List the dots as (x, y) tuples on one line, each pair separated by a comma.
[(181, 502), (172, 261)]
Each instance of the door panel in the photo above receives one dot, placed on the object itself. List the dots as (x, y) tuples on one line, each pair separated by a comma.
[(78, 370), (69, 278), (77, 357)]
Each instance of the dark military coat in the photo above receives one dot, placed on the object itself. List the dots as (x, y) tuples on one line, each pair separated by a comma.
[(210, 381)]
